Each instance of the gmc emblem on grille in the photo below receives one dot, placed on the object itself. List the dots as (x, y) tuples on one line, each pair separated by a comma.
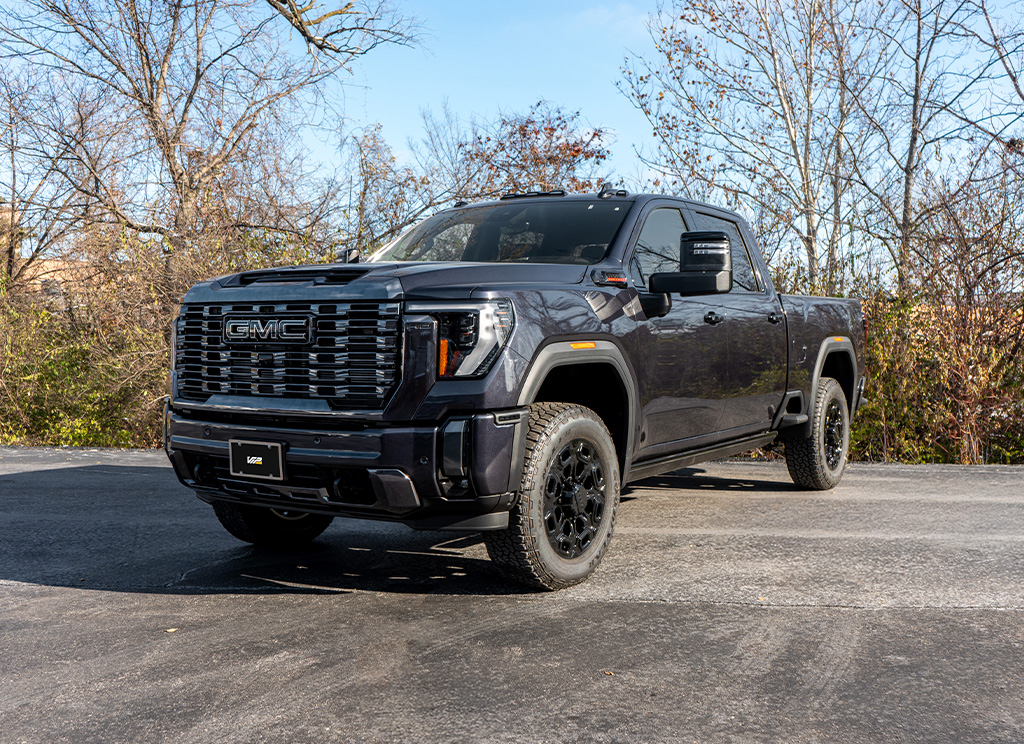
[(279, 330)]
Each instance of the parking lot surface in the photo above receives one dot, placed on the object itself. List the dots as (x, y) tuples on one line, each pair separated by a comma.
[(730, 608)]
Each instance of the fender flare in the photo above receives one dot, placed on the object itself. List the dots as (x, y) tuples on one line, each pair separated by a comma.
[(562, 353), (831, 345)]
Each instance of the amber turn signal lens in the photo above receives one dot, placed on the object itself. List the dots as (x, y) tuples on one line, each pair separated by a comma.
[(443, 358)]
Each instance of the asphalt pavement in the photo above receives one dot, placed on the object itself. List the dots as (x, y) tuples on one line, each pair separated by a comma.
[(731, 607)]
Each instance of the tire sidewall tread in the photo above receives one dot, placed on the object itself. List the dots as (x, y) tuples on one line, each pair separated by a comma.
[(805, 458), (522, 552)]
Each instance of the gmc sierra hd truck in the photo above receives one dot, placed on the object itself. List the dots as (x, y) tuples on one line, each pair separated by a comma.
[(505, 368)]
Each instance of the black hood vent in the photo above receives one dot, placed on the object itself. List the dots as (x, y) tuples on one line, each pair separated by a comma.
[(326, 275)]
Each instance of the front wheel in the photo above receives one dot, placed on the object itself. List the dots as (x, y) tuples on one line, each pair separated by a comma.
[(270, 528), (817, 461), (563, 516)]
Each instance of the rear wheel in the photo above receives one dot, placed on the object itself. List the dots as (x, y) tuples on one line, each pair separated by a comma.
[(817, 462), (271, 528), (563, 517)]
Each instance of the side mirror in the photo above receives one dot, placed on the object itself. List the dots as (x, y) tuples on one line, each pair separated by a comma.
[(705, 251), (692, 282), (655, 305), (348, 255), (706, 262)]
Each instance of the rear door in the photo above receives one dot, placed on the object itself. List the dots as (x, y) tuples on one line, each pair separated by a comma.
[(757, 332)]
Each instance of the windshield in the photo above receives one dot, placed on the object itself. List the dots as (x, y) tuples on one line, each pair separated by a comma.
[(542, 232)]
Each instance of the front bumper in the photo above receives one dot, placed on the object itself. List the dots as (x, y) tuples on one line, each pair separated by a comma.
[(460, 474)]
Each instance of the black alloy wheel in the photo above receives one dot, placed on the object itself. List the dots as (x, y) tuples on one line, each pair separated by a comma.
[(834, 430), (574, 499)]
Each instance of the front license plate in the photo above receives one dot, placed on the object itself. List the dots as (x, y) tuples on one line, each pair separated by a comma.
[(256, 459)]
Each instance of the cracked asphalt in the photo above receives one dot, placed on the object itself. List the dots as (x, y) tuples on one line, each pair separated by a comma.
[(730, 608)]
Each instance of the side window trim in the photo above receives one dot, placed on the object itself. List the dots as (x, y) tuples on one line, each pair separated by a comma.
[(757, 261)]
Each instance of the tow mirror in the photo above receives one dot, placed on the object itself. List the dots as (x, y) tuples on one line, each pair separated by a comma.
[(705, 251), (655, 304), (706, 262), (348, 255)]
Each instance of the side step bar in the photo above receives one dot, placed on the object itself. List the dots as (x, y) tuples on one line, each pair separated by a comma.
[(667, 464)]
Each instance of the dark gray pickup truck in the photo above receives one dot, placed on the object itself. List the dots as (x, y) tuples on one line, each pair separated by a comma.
[(505, 367)]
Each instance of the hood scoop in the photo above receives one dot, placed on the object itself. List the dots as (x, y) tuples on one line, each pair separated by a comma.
[(326, 275)]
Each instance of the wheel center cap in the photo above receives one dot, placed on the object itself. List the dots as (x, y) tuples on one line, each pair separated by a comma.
[(577, 498)]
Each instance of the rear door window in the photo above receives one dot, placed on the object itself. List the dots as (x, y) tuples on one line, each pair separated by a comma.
[(744, 279)]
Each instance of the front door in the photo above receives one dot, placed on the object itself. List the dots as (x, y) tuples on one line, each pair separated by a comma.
[(682, 356)]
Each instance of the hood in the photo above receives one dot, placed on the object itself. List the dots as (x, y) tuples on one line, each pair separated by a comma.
[(457, 280), (380, 281)]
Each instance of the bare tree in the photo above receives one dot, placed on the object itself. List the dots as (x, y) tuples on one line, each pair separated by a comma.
[(749, 98), (543, 149), (441, 153), (1001, 46), (348, 30), (921, 89), (970, 270), (184, 92), (39, 207), (382, 196)]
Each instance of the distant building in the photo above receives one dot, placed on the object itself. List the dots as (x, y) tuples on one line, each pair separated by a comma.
[(48, 276), (53, 277)]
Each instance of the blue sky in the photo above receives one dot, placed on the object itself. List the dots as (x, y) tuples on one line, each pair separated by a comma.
[(486, 57)]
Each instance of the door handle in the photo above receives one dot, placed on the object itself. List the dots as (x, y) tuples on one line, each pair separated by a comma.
[(713, 318), (774, 317)]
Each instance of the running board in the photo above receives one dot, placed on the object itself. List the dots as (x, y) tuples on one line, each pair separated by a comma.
[(667, 464)]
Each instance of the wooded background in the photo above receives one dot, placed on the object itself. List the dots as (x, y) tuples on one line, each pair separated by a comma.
[(876, 149)]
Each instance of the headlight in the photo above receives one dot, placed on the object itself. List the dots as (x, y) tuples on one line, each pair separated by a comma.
[(470, 335)]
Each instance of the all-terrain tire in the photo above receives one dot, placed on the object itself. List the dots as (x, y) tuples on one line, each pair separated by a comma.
[(270, 528), (563, 516), (817, 462)]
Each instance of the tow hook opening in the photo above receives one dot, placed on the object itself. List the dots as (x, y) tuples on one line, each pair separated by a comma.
[(453, 474), (203, 472)]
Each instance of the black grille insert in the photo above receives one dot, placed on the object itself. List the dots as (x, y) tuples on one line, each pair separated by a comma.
[(353, 361)]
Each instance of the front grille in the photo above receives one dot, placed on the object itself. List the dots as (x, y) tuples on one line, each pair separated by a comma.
[(353, 361)]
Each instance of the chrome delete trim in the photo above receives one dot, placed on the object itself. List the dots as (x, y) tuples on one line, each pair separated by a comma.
[(274, 407)]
